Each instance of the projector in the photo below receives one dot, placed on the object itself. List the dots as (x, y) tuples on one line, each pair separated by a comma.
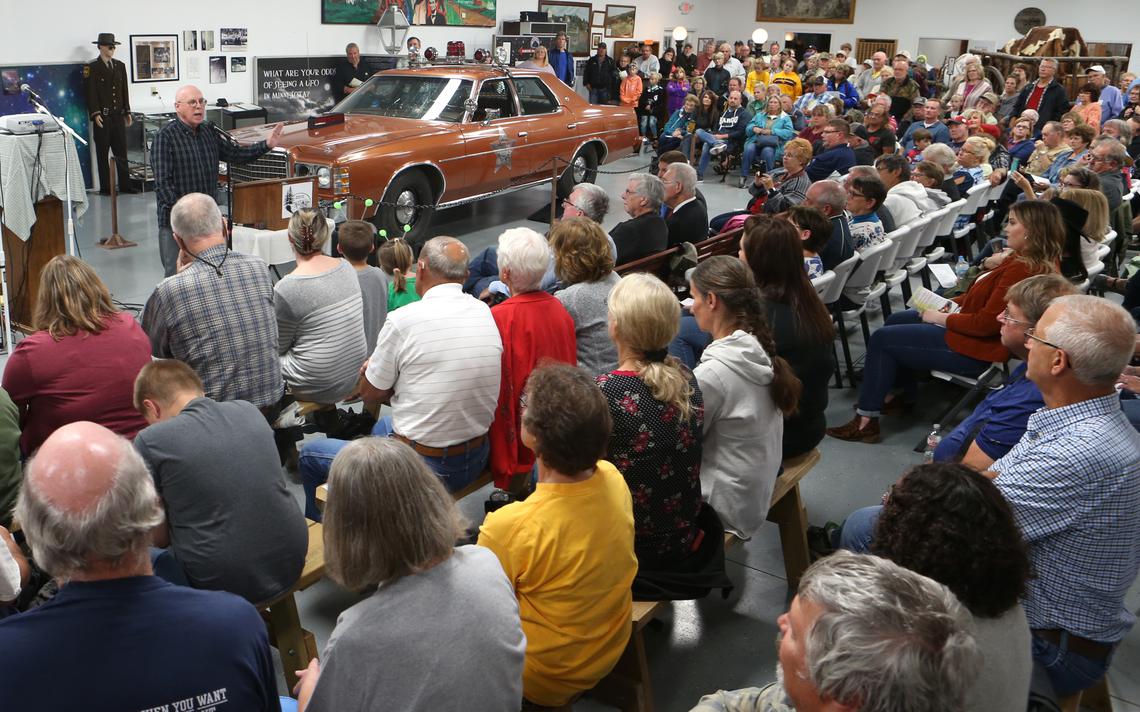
[(27, 123)]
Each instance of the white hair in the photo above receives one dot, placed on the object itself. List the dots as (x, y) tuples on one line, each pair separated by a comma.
[(114, 526), (595, 201), (527, 255), (887, 638), (649, 187), (685, 175), (196, 216), (1098, 336), (434, 255), (940, 154)]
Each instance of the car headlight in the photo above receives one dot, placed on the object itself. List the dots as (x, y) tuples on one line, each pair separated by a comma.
[(324, 177)]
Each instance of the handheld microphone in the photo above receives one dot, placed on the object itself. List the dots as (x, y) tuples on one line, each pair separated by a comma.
[(31, 92)]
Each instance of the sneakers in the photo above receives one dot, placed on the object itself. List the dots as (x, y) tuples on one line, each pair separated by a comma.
[(718, 149), (852, 433)]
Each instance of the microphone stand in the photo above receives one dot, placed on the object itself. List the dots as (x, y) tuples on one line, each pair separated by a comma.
[(65, 131)]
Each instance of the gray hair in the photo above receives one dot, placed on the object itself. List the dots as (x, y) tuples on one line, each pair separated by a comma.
[(649, 187), (1050, 60), (111, 528), (527, 255), (856, 171), (832, 195), (685, 175), (351, 46), (940, 154), (387, 516), (887, 638), (1098, 336), (1121, 127), (595, 203), (1116, 152), (196, 216), (434, 256)]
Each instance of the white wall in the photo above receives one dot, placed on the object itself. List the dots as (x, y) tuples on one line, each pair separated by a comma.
[(63, 31)]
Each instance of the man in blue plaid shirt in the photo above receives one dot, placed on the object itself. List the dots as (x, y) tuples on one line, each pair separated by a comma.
[(1073, 481), (185, 160)]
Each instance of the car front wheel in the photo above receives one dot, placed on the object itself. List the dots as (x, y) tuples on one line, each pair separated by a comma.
[(583, 169), (407, 209)]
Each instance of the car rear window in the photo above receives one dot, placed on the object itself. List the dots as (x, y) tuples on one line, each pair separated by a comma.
[(535, 96)]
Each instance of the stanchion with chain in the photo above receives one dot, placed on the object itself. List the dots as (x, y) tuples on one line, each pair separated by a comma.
[(115, 241)]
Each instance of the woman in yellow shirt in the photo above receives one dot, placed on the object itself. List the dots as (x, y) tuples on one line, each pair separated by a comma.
[(568, 548), (758, 79), (788, 80)]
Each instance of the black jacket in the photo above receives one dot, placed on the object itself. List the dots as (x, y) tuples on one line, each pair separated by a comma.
[(640, 237), (689, 224), (106, 88), (1054, 104), (599, 73)]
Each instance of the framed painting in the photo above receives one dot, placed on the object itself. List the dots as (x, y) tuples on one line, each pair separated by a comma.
[(620, 20), (599, 18), (577, 17), (841, 12), (595, 40), (154, 58)]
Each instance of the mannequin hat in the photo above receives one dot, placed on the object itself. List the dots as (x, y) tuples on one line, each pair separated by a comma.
[(106, 38)]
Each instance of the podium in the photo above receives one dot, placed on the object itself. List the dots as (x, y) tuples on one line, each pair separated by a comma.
[(25, 260)]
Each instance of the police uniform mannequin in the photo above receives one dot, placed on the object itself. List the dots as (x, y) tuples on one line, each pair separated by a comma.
[(109, 107)]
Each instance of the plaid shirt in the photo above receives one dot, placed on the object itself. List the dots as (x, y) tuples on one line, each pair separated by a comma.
[(223, 327), (185, 161), (770, 698), (1073, 481)]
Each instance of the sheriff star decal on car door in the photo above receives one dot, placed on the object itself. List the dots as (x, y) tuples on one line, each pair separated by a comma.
[(504, 148)]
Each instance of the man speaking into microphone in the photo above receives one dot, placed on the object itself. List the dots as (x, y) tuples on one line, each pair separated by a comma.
[(185, 159)]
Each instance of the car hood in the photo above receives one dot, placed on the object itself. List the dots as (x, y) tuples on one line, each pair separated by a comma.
[(341, 141)]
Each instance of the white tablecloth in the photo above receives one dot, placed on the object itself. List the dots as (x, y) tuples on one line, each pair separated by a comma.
[(24, 182), (270, 245)]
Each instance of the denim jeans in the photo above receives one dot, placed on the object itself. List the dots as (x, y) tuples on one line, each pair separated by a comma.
[(167, 250), (900, 347), (690, 341), (1069, 672), (599, 96), (456, 471), (648, 125), (766, 146), (709, 141), (859, 529)]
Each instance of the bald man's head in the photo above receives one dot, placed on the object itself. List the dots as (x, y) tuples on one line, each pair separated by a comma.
[(88, 502), (190, 105)]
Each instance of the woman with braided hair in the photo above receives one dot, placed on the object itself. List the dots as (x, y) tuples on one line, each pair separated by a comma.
[(320, 316), (657, 413), (747, 390)]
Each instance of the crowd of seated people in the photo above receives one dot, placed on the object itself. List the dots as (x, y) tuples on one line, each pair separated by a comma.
[(629, 433)]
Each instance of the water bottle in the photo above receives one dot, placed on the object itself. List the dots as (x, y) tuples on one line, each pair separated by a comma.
[(961, 267), (932, 442)]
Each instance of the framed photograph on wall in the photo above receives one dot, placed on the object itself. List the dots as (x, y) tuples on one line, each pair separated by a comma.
[(620, 20), (839, 12), (190, 40), (235, 39), (595, 40), (217, 70), (599, 18), (237, 64), (154, 58), (208, 44), (576, 15)]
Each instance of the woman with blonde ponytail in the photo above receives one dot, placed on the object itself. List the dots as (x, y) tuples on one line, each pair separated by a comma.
[(657, 413), (747, 391)]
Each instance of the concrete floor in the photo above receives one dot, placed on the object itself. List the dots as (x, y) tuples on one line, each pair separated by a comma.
[(703, 645)]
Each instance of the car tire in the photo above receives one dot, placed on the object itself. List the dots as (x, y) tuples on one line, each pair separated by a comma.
[(411, 188), (583, 169)]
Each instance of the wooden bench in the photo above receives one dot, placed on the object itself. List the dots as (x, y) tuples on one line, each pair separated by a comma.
[(322, 494), (657, 264), (296, 645), (629, 686)]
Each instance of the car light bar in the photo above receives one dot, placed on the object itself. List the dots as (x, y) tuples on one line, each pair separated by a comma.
[(320, 122)]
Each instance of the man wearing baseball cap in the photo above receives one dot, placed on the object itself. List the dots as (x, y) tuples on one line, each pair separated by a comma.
[(1111, 100), (109, 108)]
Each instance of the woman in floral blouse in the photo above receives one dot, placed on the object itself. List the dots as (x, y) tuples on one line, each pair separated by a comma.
[(657, 415)]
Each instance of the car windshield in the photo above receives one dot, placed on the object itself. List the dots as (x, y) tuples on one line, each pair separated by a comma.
[(405, 97)]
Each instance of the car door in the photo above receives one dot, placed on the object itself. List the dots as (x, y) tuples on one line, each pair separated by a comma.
[(494, 138), (550, 127)]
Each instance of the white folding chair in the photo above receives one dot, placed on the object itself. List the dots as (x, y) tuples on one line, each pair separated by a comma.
[(830, 297), (822, 282), (863, 280)]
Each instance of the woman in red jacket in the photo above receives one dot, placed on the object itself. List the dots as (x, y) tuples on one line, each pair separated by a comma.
[(966, 342)]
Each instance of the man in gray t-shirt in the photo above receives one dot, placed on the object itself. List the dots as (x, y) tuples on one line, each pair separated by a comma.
[(231, 523)]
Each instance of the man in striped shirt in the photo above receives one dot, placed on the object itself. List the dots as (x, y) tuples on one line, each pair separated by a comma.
[(1073, 481)]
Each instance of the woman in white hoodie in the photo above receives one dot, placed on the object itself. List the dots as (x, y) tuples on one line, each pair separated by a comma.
[(747, 390)]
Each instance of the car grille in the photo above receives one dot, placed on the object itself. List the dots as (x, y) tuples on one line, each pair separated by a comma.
[(273, 165)]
